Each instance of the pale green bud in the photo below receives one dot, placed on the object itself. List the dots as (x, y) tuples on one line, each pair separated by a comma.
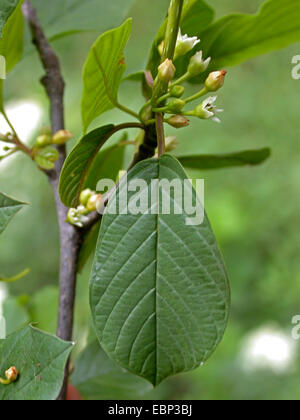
[(166, 71), (177, 91), (215, 80)]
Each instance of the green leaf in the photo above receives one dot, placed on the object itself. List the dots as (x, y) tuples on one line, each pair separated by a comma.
[(45, 298), (16, 277), (103, 73), (107, 164), (63, 17), (238, 37), (159, 289), (249, 157), (98, 378), (78, 162), (88, 246), (11, 43), (8, 208), (40, 360), (196, 15), (7, 7), (15, 314)]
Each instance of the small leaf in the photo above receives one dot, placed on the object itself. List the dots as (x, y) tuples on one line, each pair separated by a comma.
[(11, 43), (88, 246), (15, 315), (7, 7), (239, 37), (98, 378), (40, 360), (107, 164), (16, 277), (45, 298), (159, 289), (8, 208), (78, 162), (249, 157), (103, 73)]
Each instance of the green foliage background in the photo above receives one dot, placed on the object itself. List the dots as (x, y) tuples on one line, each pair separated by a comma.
[(254, 211)]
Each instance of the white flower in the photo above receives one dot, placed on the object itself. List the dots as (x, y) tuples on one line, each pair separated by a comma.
[(185, 44), (207, 110), (197, 64)]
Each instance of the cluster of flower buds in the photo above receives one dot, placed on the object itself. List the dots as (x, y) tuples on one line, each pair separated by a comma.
[(89, 201), (173, 102), (44, 152), (11, 376)]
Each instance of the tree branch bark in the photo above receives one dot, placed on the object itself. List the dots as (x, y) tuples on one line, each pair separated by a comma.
[(70, 237)]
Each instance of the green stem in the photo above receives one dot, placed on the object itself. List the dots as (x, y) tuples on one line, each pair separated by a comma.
[(181, 79), (198, 95), (175, 10)]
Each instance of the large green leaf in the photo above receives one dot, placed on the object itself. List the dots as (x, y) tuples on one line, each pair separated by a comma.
[(98, 378), (103, 73), (63, 17), (7, 7), (159, 289), (8, 208), (196, 16), (78, 162), (40, 359), (237, 37), (248, 157)]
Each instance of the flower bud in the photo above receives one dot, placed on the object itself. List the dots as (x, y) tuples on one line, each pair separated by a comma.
[(85, 196), (178, 121), (215, 80), (185, 44), (177, 91), (11, 376), (61, 137), (197, 64), (43, 140), (76, 218), (175, 106), (46, 157), (166, 71), (93, 202)]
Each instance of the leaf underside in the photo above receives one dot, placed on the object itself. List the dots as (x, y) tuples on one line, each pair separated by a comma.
[(159, 291)]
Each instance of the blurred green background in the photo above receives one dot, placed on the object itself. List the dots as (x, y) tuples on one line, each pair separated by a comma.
[(254, 211)]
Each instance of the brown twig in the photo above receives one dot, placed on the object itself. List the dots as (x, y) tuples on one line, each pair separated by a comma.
[(70, 237)]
